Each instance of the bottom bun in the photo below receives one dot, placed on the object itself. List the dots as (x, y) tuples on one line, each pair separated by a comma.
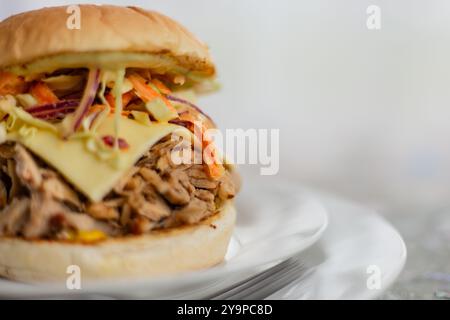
[(160, 252)]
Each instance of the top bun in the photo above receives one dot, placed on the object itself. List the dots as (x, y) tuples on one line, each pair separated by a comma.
[(34, 35)]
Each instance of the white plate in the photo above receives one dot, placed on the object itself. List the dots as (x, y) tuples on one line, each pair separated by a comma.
[(273, 223), (356, 246)]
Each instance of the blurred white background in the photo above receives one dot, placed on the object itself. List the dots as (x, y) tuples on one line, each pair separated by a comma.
[(363, 113)]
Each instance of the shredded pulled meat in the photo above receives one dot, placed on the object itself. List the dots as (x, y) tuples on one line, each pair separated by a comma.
[(37, 203)]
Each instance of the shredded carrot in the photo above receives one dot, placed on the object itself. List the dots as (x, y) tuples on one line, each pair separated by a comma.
[(161, 86), (168, 104), (96, 108), (43, 93), (125, 113), (194, 125), (110, 98), (211, 164), (11, 84), (146, 92), (126, 99), (214, 170)]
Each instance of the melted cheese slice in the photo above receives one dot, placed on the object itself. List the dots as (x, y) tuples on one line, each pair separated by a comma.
[(91, 175)]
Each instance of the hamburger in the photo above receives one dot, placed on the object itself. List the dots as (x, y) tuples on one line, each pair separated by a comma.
[(90, 122)]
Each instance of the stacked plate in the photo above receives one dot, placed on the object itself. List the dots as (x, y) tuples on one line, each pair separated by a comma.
[(351, 252)]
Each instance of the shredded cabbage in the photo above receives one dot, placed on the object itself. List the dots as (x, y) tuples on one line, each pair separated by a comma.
[(101, 94), (94, 143), (117, 91), (16, 120), (27, 131), (64, 83), (141, 117), (3, 134), (26, 100), (18, 116)]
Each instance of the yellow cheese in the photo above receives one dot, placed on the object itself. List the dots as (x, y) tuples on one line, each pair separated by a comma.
[(90, 174), (103, 60)]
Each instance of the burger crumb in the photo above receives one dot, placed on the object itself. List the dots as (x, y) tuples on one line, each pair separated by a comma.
[(213, 226)]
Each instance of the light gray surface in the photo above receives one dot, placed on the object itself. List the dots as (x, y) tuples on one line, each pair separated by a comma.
[(427, 271), (425, 229), (426, 233)]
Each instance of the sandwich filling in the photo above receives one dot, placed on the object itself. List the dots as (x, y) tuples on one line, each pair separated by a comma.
[(88, 154)]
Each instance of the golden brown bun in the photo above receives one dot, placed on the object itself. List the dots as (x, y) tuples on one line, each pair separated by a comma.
[(33, 35), (163, 252)]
